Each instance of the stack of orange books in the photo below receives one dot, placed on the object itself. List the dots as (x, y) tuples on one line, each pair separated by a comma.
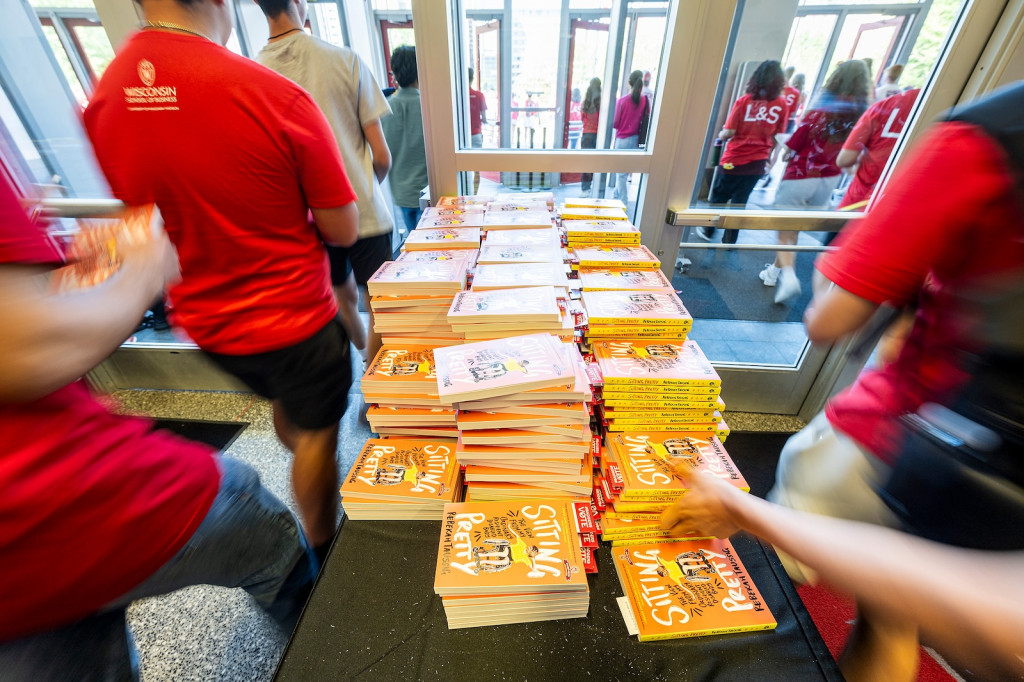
[(614, 257), (510, 562), (613, 315), (647, 466), (493, 314), (402, 479), (583, 233), (688, 588), (659, 385), (604, 279), (410, 297), (451, 236), (400, 384)]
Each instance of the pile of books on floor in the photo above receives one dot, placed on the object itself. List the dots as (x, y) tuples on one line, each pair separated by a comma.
[(642, 477), (510, 562), (522, 420), (659, 385), (410, 296), (400, 385), (402, 479), (687, 588), (613, 315), (497, 313)]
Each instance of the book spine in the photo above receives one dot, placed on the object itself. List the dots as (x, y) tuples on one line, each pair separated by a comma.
[(629, 382), (706, 631), (696, 404), (649, 324)]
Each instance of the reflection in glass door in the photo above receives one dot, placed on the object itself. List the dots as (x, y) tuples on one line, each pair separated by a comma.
[(394, 34), (487, 60)]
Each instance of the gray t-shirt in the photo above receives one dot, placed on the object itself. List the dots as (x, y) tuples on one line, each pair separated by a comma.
[(404, 132), (347, 93)]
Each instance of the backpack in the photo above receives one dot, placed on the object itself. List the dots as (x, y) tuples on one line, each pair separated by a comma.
[(960, 475), (645, 123)]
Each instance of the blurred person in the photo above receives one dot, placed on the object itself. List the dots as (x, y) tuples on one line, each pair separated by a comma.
[(811, 172), (590, 113), (99, 509), (477, 113), (750, 135), (403, 131), (947, 227), (794, 95), (920, 586), (347, 93), (648, 91), (630, 111), (870, 145), (575, 124), (236, 157), (890, 82)]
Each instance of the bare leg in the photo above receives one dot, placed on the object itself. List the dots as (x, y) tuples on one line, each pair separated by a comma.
[(880, 649), (373, 341), (785, 259), (347, 296), (314, 475)]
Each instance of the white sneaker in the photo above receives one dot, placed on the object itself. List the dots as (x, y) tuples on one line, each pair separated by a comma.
[(770, 274), (706, 233), (788, 285)]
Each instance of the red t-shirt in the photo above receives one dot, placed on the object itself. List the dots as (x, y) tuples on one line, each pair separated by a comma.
[(817, 142), (92, 503), (477, 107), (756, 123), (876, 134), (590, 121), (948, 220), (792, 97), (234, 155)]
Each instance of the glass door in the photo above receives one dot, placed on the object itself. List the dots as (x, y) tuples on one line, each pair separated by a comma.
[(700, 63)]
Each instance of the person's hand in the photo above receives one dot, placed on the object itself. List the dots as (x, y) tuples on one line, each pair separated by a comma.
[(704, 509), (155, 256)]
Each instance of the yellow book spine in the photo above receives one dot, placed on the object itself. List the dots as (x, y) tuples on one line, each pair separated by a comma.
[(651, 540), (628, 382), (702, 633), (621, 264), (695, 404), (649, 324)]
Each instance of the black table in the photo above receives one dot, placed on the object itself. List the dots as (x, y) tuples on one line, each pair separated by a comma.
[(373, 615)]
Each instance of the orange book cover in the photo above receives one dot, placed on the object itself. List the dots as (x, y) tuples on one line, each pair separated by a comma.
[(528, 304), (442, 238), (644, 308), (92, 255), (505, 253), (689, 588), (508, 547), (625, 362), (543, 237), (520, 205), (648, 461), (401, 367), (493, 368), (464, 200), (404, 470), (602, 279), (395, 277), (591, 229), (627, 257)]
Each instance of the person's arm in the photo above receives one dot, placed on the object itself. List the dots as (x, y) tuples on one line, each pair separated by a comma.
[(374, 134), (961, 599), (726, 133), (339, 226), (847, 157), (483, 109), (834, 312), (48, 340)]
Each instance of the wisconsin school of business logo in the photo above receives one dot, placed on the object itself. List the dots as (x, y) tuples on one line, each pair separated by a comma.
[(147, 72)]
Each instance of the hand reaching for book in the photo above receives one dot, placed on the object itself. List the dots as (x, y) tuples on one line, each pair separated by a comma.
[(154, 254), (705, 509)]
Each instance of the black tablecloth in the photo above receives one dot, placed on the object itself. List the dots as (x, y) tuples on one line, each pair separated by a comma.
[(373, 615)]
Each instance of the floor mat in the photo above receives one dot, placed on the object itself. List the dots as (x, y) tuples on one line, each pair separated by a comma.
[(218, 435), (833, 615)]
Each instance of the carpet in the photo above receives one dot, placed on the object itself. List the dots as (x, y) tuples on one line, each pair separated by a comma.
[(218, 435), (756, 455)]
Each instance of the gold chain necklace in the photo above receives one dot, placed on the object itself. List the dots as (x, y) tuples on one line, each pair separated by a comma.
[(174, 27)]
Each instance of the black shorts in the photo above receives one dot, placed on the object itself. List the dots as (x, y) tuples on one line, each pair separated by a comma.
[(311, 378), (363, 258)]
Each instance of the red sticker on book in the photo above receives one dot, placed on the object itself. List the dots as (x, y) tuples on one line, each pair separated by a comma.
[(588, 540), (584, 517)]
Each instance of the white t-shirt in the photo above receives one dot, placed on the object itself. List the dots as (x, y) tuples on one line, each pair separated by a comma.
[(348, 94)]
